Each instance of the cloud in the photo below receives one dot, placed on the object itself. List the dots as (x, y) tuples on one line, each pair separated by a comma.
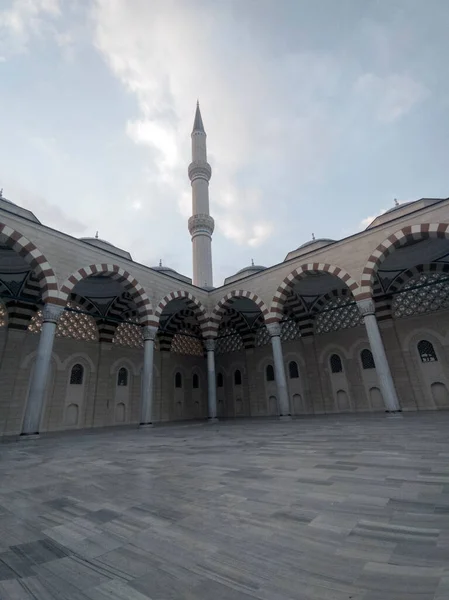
[(266, 115), (24, 20), (49, 214), (391, 97)]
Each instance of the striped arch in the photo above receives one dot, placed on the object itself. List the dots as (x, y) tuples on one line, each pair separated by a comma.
[(405, 276), (227, 300), (233, 320), (131, 285), (37, 261), (393, 242), (192, 303), (319, 304), (283, 290)]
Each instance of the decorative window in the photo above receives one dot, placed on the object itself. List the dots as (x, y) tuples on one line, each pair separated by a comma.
[(289, 330), (195, 381), (71, 324), (128, 335), (184, 342), (228, 340), (366, 356), (77, 375), (427, 351), (336, 364), (178, 380), (262, 337), (269, 373), (122, 377), (237, 377), (220, 380), (3, 315), (422, 294), (293, 369), (339, 313)]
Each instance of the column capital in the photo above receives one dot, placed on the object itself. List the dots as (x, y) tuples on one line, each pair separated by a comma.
[(274, 329), (210, 345), (52, 312), (366, 307), (149, 332)]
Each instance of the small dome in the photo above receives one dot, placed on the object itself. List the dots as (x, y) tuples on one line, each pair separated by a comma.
[(171, 273), (321, 241), (398, 206), (104, 245), (252, 269)]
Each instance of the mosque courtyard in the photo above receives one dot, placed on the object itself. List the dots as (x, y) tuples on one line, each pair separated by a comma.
[(333, 507)]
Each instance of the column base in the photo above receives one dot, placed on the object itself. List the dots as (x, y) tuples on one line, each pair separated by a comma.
[(285, 418), (29, 436), (396, 414), (212, 420), (145, 425)]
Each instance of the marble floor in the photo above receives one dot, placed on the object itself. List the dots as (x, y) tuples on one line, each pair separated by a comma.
[(349, 507)]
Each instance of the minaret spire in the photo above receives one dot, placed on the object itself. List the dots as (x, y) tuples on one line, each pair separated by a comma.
[(201, 224)]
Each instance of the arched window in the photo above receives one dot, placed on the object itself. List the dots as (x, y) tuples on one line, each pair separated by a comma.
[(336, 365), (220, 380), (237, 377), (427, 351), (178, 380), (122, 377), (195, 381), (77, 375), (269, 373), (366, 356), (293, 370)]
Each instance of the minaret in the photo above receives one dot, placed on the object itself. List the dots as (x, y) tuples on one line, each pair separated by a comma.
[(201, 224)]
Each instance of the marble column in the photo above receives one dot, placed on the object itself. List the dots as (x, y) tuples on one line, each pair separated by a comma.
[(149, 334), (211, 381), (39, 380), (274, 329), (367, 310)]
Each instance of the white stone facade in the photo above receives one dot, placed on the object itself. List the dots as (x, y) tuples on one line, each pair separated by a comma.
[(355, 325)]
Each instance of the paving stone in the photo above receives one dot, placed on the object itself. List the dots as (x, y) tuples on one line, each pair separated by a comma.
[(323, 508)]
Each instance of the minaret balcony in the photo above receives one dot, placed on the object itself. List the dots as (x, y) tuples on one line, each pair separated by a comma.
[(201, 224), (200, 170)]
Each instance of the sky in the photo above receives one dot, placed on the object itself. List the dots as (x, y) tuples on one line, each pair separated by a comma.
[(318, 115)]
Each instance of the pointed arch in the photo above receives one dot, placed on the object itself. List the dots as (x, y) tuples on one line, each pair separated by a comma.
[(220, 307), (130, 284), (37, 261), (277, 304), (192, 303), (411, 233)]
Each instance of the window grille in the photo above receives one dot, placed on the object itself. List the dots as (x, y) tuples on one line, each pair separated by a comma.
[(336, 364), (122, 377), (431, 295), (77, 375), (74, 325), (178, 380), (269, 373), (339, 313), (238, 377), (228, 340), (185, 343), (3, 315), (427, 351), (289, 330), (293, 369), (128, 334), (262, 337), (367, 359)]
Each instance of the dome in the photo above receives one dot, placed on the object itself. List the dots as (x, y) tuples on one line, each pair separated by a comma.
[(11, 207), (171, 273), (104, 245), (321, 241), (397, 207), (252, 268)]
